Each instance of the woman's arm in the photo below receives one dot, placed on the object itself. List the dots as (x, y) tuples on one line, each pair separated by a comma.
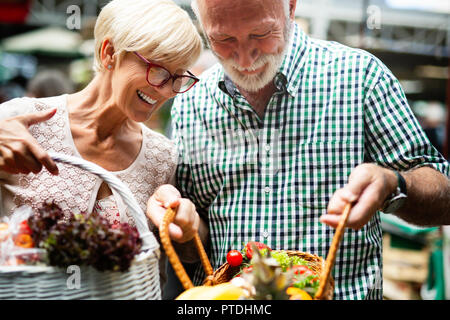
[(19, 151)]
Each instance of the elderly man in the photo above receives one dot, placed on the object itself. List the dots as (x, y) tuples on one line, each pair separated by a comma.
[(276, 139)]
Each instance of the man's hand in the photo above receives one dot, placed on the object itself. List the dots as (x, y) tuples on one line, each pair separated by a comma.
[(19, 151), (186, 222), (367, 188)]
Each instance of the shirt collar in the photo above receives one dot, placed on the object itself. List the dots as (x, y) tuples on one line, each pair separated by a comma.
[(228, 87), (288, 77), (294, 60)]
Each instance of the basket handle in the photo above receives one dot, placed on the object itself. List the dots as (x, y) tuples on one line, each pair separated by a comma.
[(148, 239), (329, 262), (172, 255)]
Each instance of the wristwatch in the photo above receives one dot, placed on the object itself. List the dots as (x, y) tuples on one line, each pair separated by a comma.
[(398, 198)]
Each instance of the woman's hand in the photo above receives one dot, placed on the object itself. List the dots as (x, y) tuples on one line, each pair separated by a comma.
[(19, 151), (186, 222)]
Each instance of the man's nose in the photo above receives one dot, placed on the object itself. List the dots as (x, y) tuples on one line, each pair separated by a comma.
[(246, 54)]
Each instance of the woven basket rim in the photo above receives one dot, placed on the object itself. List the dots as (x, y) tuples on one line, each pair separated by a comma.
[(47, 268), (25, 268)]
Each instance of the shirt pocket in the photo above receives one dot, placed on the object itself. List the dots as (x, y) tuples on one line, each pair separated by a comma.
[(321, 168)]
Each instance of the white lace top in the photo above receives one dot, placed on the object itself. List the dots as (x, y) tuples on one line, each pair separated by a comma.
[(75, 190)]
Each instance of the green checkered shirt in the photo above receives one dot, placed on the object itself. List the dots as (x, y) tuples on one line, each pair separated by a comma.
[(270, 179)]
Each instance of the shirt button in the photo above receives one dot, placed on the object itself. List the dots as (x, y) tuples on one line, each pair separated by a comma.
[(267, 147), (265, 234), (267, 190)]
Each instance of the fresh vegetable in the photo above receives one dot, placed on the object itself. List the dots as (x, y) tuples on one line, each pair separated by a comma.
[(247, 269), (307, 280), (249, 250), (298, 294), (286, 261), (24, 241), (293, 270), (84, 239), (223, 291), (23, 237), (301, 270), (42, 222), (24, 228), (234, 258)]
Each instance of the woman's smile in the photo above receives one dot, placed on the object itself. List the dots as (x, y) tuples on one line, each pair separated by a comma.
[(145, 98)]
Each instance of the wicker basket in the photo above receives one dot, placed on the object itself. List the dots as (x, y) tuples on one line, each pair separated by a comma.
[(141, 281), (225, 272)]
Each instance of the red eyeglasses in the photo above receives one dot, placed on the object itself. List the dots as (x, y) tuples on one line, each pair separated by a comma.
[(158, 76)]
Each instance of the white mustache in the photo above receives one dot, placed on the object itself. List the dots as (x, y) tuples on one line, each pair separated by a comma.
[(260, 62)]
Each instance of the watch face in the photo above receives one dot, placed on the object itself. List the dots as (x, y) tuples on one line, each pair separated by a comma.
[(395, 203)]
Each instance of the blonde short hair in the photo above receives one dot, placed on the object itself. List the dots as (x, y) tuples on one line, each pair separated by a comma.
[(159, 29)]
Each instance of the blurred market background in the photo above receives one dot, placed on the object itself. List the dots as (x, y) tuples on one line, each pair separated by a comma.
[(46, 49)]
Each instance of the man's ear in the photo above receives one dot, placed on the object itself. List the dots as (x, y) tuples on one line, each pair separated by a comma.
[(292, 6), (107, 53)]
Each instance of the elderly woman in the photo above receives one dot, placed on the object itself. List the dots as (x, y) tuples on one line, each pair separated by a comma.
[(143, 49)]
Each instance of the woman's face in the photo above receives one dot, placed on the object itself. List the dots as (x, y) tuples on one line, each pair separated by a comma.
[(131, 91)]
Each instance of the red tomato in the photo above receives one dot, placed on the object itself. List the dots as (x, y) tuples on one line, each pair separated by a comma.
[(301, 269), (247, 269), (24, 228), (249, 250), (234, 258)]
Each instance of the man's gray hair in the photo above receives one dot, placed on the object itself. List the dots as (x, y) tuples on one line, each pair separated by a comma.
[(194, 7)]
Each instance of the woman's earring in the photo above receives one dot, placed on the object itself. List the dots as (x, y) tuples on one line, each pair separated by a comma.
[(109, 66)]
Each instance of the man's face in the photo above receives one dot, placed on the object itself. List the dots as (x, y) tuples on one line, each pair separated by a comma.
[(248, 37)]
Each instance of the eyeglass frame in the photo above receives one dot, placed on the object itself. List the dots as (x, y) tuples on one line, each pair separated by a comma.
[(171, 76)]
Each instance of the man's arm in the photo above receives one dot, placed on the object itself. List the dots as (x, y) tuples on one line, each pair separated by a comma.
[(428, 201), (393, 139)]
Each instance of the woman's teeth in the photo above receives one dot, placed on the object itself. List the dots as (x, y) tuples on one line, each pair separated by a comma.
[(146, 98)]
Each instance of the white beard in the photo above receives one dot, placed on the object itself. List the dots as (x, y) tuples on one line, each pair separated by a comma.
[(254, 82)]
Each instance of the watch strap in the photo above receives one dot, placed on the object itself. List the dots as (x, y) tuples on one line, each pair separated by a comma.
[(401, 183), (397, 198)]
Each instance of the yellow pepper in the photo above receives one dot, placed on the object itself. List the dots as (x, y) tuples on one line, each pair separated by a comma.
[(298, 294), (223, 291)]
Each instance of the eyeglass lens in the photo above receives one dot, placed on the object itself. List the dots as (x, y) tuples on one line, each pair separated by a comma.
[(157, 76)]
